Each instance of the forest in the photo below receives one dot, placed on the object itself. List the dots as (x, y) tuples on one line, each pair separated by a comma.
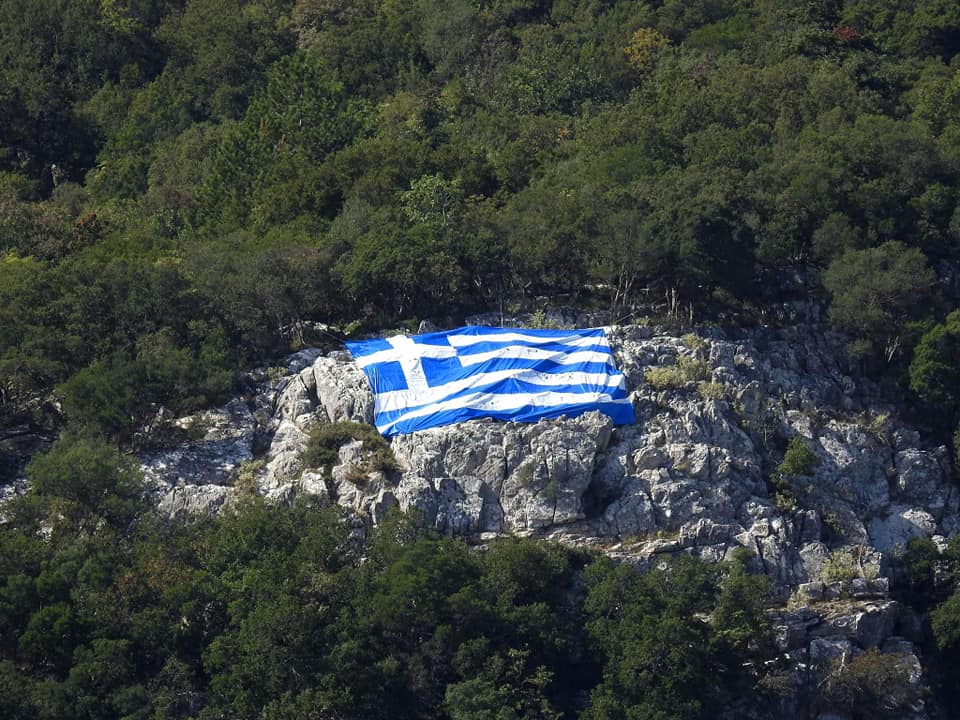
[(191, 188)]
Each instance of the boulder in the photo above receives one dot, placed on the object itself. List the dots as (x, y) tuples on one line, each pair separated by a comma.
[(898, 525), (342, 389), (181, 503), (867, 624)]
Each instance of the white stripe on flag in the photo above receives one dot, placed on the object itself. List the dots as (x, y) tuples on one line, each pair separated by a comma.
[(396, 354)]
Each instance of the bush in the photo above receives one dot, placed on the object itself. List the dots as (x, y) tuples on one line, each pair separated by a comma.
[(799, 459), (676, 376), (246, 482), (872, 685), (326, 440), (917, 579), (695, 342), (712, 391), (784, 496), (84, 480), (945, 621), (843, 567)]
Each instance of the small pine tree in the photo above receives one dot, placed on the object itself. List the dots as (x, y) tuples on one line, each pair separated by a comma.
[(799, 459)]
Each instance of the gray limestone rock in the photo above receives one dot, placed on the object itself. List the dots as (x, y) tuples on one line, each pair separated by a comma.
[(538, 473), (791, 628), (314, 484), (867, 624), (182, 502), (298, 397), (225, 444), (898, 525), (632, 513), (812, 557), (826, 649), (283, 457), (342, 389)]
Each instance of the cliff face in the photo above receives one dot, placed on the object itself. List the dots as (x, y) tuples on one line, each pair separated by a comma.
[(700, 471)]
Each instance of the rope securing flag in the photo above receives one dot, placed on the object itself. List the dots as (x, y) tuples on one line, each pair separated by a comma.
[(522, 375)]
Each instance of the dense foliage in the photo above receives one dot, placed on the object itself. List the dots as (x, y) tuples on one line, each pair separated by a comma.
[(189, 186), (268, 612)]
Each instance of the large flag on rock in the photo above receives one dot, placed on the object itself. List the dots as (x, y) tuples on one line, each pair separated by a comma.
[(523, 375)]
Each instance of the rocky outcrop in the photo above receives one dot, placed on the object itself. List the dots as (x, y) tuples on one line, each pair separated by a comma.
[(224, 441), (185, 501), (697, 472)]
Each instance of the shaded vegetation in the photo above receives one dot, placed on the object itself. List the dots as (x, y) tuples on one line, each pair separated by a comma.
[(798, 459), (326, 440), (282, 612)]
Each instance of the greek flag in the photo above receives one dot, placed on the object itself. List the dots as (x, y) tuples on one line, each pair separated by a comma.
[(522, 375)]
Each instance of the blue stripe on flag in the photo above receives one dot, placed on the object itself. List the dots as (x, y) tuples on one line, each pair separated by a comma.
[(367, 347), (621, 414)]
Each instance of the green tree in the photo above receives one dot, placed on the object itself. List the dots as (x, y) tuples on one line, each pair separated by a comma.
[(221, 48), (934, 373), (919, 27), (28, 361), (876, 292), (798, 459), (655, 650), (299, 117), (433, 201), (85, 481)]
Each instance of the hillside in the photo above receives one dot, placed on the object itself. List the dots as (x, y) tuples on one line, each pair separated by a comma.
[(761, 196), (777, 456)]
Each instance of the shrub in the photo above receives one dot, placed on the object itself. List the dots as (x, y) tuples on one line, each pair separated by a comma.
[(872, 685), (799, 459), (784, 496), (917, 567), (84, 480), (663, 378), (693, 370), (843, 567), (712, 391), (326, 440), (676, 376), (695, 342), (876, 424), (945, 621), (246, 482)]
